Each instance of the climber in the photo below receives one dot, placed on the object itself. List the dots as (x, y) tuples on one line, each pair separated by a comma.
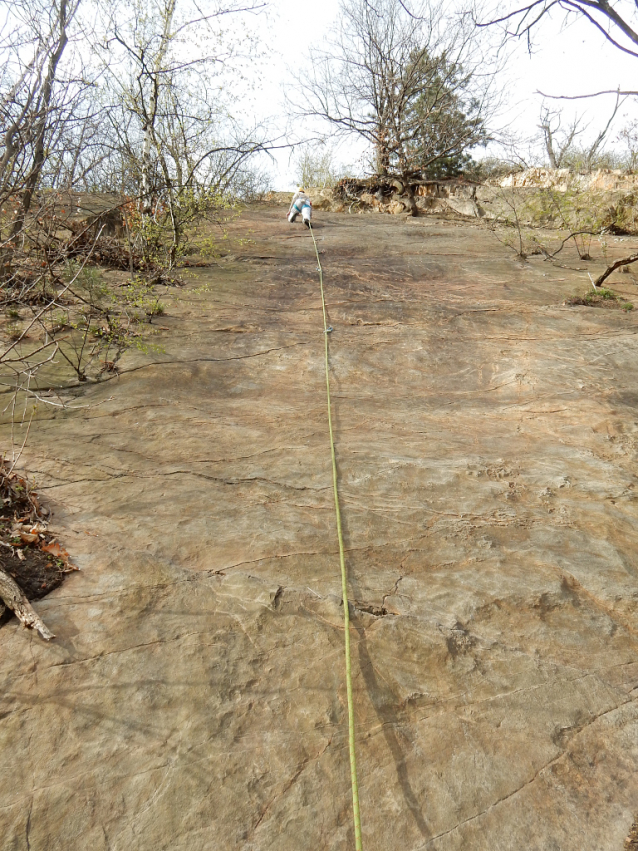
[(300, 204)]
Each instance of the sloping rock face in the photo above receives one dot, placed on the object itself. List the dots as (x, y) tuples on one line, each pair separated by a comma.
[(486, 434)]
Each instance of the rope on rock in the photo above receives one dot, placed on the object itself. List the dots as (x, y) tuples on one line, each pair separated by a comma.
[(344, 583)]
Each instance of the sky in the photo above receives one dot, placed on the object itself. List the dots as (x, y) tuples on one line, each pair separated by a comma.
[(565, 61)]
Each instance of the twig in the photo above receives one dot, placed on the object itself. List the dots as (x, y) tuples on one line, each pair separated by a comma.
[(592, 95), (24, 442), (51, 304)]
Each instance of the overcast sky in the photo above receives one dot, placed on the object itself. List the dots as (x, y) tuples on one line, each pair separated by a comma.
[(574, 60)]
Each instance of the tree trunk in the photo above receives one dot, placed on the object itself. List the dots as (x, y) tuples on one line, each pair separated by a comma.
[(549, 145), (383, 153), (151, 114), (41, 127)]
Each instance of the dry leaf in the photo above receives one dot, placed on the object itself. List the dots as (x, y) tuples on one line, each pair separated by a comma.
[(55, 549)]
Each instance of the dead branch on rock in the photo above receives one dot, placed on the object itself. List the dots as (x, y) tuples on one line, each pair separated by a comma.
[(14, 599), (626, 261)]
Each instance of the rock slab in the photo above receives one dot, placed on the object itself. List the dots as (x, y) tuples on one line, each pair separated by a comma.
[(486, 436)]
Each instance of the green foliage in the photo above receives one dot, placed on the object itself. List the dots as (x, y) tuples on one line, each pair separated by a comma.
[(316, 166), (161, 237), (13, 330), (490, 168), (580, 160), (102, 322), (85, 279), (207, 244), (592, 298), (141, 300), (574, 211), (446, 119), (453, 166)]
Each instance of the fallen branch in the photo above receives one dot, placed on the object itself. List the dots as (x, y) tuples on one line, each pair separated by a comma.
[(624, 262), (15, 600)]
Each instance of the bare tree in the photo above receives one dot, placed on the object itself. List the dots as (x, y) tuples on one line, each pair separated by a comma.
[(410, 82), (560, 142), (30, 112), (173, 134)]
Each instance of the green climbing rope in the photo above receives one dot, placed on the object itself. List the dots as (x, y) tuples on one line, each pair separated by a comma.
[(344, 582)]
